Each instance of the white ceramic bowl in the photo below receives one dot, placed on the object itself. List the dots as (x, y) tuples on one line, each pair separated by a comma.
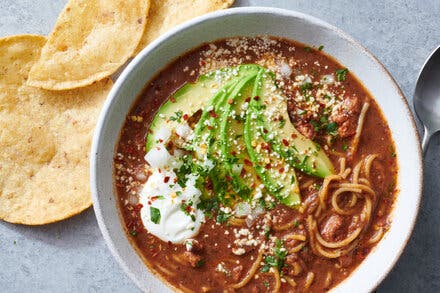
[(251, 22)]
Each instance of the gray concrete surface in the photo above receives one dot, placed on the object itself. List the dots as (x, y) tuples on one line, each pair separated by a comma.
[(71, 256)]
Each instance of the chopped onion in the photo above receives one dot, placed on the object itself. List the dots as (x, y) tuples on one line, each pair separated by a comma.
[(242, 209), (285, 70), (307, 79), (184, 131), (158, 157), (250, 219), (163, 134), (236, 168), (328, 79)]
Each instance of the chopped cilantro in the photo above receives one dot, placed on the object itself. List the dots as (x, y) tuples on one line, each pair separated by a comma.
[(154, 215), (306, 87), (222, 217), (345, 147), (320, 48), (282, 123), (332, 128), (292, 180), (239, 118), (200, 263), (186, 207), (341, 74), (296, 223), (267, 231), (277, 259), (308, 49), (177, 116), (266, 284), (133, 233), (315, 125)]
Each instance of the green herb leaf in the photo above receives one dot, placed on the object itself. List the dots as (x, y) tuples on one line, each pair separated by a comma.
[(222, 217), (154, 215), (200, 263), (282, 123), (345, 147), (177, 116), (308, 49), (341, 74), (306, 87), (320, 48), (332, 128)]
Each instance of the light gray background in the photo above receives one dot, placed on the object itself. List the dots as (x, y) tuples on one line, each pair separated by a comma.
[(71, 256)]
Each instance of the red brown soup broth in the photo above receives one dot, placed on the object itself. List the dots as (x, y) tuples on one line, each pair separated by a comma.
[(217, 239)]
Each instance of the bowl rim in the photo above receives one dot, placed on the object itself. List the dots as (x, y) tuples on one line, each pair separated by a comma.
[(130, 69)]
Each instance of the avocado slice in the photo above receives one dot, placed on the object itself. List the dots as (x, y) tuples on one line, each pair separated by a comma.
[(279, 180), (299, 151), (230, 140), (194, 96)]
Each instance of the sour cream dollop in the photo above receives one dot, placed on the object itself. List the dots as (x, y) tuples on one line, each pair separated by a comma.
[(179, 217)]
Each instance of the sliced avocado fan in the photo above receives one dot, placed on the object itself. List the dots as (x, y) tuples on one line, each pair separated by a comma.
[(245, 132)]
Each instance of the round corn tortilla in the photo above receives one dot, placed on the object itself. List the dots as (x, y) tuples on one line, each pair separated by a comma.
[(166, 14), (90, 41), (45, 139)]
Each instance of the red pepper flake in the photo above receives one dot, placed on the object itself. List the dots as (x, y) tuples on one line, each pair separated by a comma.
[(175, 180), (173, 99), (265, 131), (265, 146), (210, 127), (150, 131), (268, 166), (166, 179), (208, 184), (248, 99), (230, 101), (188, 208), (160, 140), (294, 135), (234, 153), (185, 117), (228, 178), (247, 162), (138, 207), (243, 172), (256, 98), (281, 170), (285, 142), (170, 145), (149, 203), (202, 62), (213, 114)]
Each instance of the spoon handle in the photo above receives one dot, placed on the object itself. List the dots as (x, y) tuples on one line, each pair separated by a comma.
[(425, 142)]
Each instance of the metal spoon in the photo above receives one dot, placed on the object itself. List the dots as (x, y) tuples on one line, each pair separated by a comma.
[(427, 97)]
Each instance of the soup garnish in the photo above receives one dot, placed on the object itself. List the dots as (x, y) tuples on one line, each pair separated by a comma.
[(265, 167)]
